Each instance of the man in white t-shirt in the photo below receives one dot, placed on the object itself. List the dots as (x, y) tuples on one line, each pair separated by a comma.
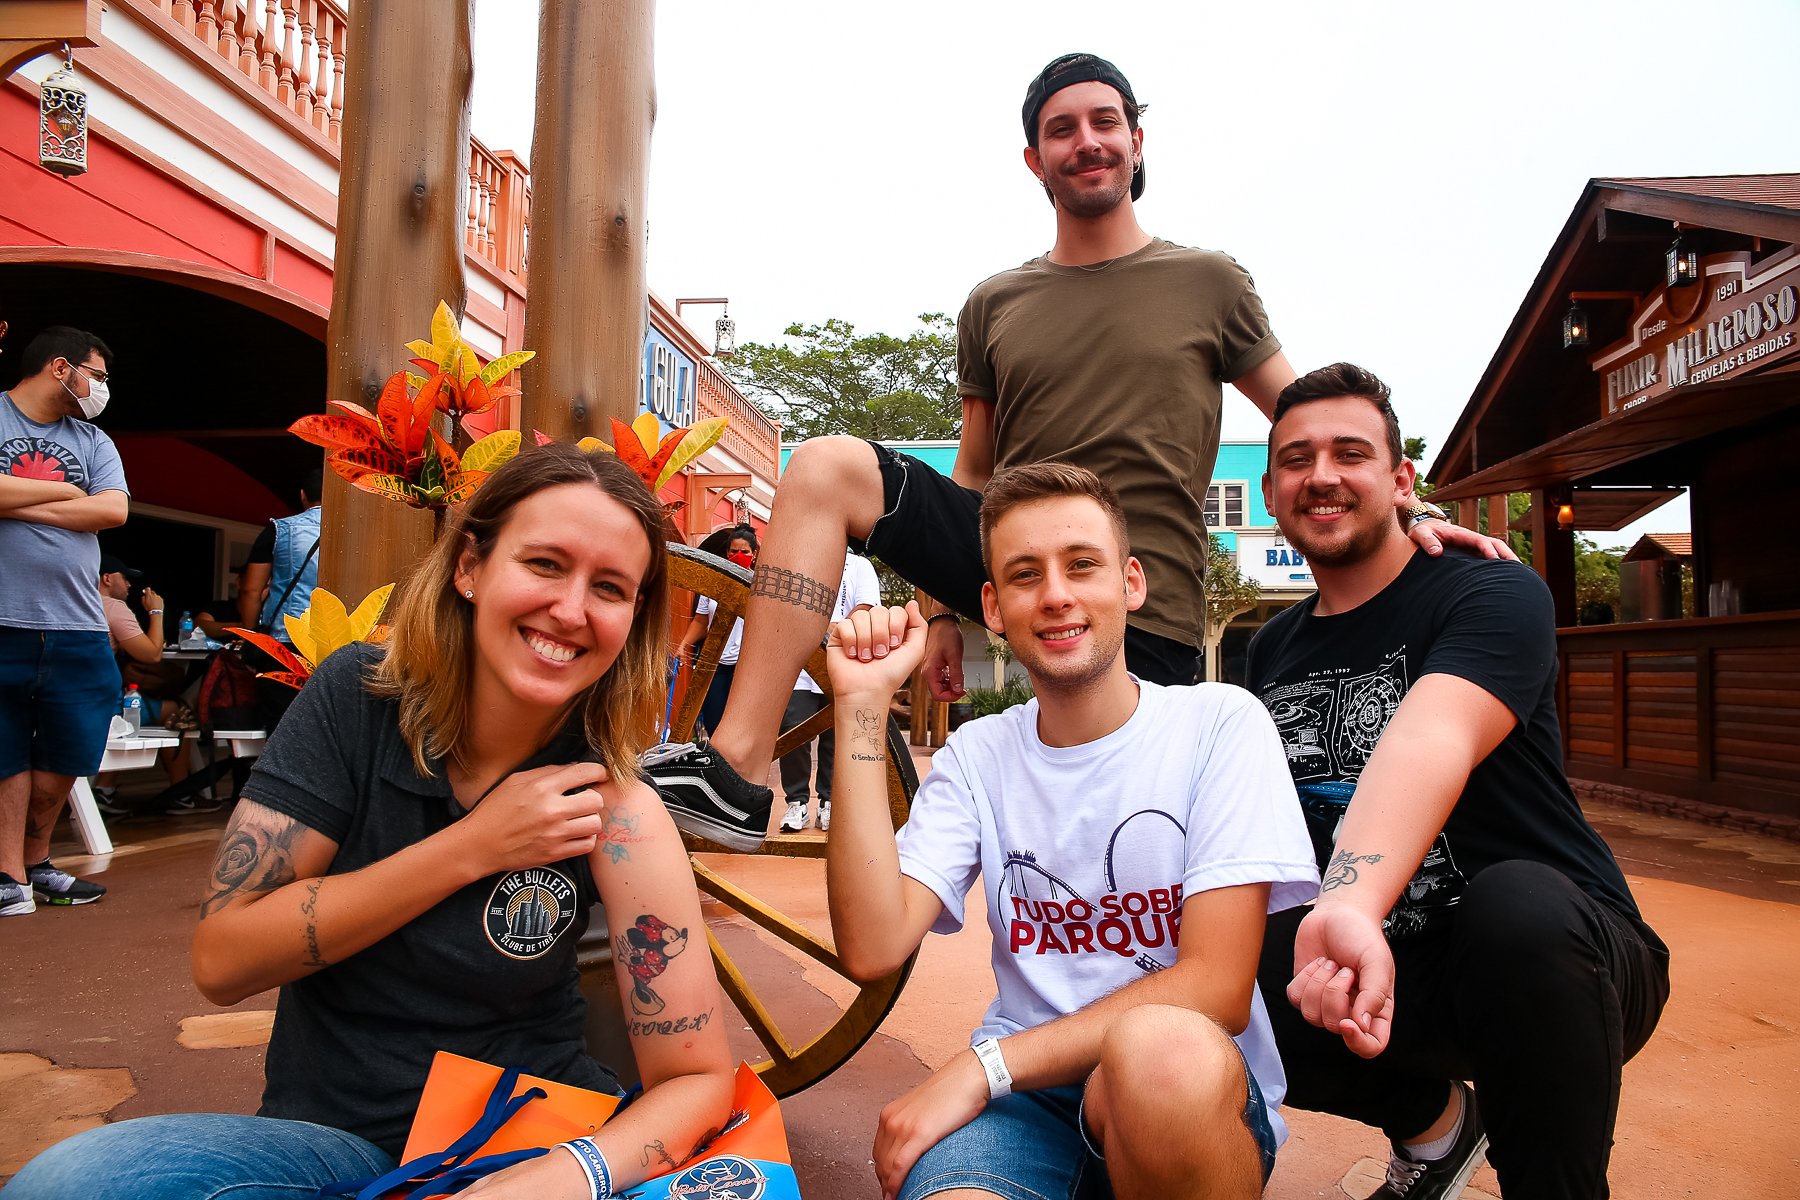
[(1106, 818), (860, 588)]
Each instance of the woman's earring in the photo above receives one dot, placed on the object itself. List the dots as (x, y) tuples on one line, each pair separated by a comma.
[(470, 595)]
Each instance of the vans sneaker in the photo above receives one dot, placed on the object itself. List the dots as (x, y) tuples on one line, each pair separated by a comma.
[(1442, 1178), (15, 898), (60, 889), (824, 815), (795, 820), (707, 798)]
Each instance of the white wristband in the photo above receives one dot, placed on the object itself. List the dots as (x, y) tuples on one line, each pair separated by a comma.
[(593, 1165), (999, 1078)]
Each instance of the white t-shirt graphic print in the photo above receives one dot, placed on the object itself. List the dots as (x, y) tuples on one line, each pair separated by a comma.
[(1087, 852)]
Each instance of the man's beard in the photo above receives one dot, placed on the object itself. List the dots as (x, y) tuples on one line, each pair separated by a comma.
[(1070, 677), (1096, 203), (1362, 544)]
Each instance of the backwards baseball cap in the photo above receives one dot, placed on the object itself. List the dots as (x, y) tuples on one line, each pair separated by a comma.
[(113, 566), (1067, 71)]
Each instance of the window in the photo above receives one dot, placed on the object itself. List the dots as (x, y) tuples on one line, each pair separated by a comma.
[(1225, 505)]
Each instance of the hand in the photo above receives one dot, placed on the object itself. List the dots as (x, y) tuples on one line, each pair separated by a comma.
[(684, 653), (943, 660), (1432, 535), (874, 650), (925, 1116), (527, 820), (552, 1176), (151, 599), (1344, 977)]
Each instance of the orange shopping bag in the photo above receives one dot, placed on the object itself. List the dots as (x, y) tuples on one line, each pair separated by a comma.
[(456, 1093)]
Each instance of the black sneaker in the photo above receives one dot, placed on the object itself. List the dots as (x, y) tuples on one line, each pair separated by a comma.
[(707, 798), (1443, 1178), (59, 888), (107, 801), (191, 805)]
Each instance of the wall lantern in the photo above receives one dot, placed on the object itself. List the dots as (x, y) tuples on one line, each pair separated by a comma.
[(1683, 264), (1565, 517), (62, 120), (1575, 326), (724, 336)]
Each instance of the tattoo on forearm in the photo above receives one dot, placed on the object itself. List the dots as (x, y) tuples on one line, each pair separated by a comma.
[(657, 1150), (869, 727), (691, 1024), (309, 908), (1341, 871), (256, 855), (791, 587)]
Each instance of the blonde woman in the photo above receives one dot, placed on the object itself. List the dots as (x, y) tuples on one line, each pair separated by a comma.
[(414, 860)]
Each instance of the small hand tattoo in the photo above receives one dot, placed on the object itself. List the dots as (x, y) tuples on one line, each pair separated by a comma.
[(1341, 872), (791, 587)]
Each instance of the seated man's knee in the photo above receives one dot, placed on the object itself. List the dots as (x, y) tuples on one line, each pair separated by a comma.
[(825, 467), (1519, 909), (1158, 1056)]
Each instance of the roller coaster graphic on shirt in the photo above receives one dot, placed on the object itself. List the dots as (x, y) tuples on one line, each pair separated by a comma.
[(1060, 920)]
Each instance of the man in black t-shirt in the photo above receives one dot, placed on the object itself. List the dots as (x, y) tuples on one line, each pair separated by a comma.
[(1471, 924)]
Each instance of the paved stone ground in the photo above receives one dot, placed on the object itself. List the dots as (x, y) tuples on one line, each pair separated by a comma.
[(97, 1017)]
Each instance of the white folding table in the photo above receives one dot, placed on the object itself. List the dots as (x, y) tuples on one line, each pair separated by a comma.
[(122, 754)]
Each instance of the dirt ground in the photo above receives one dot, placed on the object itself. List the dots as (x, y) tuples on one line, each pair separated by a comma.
[(99, 1020)]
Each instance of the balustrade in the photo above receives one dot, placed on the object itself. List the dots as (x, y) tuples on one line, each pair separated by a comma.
[(751, 437)]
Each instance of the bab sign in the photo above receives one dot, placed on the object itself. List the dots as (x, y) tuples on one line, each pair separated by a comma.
[(1273, 562), (669, 381)]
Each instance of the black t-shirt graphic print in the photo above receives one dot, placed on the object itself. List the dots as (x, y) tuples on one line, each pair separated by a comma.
[(1333, 683)]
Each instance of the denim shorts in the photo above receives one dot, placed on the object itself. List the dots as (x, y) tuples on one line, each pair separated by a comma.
[(1021, 1148), (59, 689)]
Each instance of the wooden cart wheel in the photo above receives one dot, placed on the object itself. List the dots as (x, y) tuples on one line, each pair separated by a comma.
[(790, 1068)]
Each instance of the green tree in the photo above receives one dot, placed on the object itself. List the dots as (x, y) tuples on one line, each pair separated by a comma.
[(1414, 449), (1596, 577), (829, 380), (1228, 593)]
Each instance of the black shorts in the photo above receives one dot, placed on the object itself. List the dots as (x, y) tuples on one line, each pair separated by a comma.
[(930, 532)]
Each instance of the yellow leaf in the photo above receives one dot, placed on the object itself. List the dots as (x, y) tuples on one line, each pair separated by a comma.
[(445, 333), (330, 624), (505, 365), (491, 451), (368, 612), (300, 634), (468, 364), (424, 349), (415, 382), (588, 445), (701, 437), (649, 431)]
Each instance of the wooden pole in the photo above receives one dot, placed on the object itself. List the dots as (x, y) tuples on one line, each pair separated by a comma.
[(589, 301), (402, 194)]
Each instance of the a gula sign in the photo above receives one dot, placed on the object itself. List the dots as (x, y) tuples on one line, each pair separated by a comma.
[(1731, 322)]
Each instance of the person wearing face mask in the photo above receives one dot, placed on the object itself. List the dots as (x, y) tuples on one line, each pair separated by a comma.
[(61, 482), (738, 544)]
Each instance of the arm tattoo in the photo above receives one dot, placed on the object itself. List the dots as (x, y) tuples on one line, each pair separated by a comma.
[(255, 856), (791, 587), (870, 726), (1341, 872), (309, 907), (657, 1150), (646, 949), (618, 832), (679, 1025)]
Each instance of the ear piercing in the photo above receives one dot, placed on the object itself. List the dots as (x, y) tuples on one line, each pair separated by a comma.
[(470, 595)]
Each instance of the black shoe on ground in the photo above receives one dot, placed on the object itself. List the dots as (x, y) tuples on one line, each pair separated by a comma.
[(1443, 1178), (59, 889), (191, 805), (107, 801), (707, 798)]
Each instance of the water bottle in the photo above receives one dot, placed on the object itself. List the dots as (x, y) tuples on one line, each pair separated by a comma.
[(134, 709), (187, 632)]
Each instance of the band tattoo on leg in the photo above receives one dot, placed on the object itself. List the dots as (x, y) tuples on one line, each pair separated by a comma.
[(791, 587), (1341, 871)]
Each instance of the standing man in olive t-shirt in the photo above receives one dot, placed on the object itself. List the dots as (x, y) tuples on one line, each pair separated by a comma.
[(1109, 352)]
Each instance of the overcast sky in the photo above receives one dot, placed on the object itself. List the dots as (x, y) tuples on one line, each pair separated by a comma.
[(1392, 175)]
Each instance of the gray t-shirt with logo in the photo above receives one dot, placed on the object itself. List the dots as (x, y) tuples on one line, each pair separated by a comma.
[(53, 575)]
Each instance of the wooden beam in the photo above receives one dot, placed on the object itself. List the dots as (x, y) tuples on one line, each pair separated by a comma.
[(29, 28), (401, 204), (586, 312)]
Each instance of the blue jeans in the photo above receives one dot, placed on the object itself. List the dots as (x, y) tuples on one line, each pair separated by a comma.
[(199, 1156), (1036, 1146)]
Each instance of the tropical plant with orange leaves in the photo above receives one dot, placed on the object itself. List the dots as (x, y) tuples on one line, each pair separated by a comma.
[(655, 456), (396, 451), (321, 631)]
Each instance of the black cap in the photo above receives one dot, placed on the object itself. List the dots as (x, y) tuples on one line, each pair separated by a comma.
[(1067, 71), (112, 566)]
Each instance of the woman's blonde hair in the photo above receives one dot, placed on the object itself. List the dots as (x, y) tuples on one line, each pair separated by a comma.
[(430, 651)]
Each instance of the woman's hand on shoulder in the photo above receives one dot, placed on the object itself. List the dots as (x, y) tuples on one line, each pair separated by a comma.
[(632, 820), (539, 816)]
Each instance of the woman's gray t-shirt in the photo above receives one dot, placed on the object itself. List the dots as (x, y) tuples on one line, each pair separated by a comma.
[(488, 973)]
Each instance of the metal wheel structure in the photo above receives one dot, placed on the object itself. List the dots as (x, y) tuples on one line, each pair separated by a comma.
[(790, 1068)]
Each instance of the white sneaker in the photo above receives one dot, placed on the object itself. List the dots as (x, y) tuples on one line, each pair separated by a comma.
[(824, 815), (795, 819), (15, 898)]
